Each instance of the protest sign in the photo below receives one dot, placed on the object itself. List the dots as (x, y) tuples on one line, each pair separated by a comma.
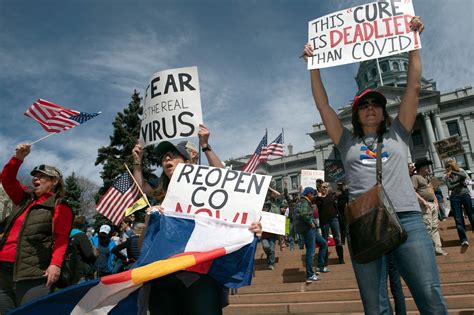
[(217, 192), (361, 33), (172, 107), (333, 171), (309, 177), (273, 223), (449, 147)]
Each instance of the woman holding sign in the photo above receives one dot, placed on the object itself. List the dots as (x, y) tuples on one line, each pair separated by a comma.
[(182, 292), (415, 259)]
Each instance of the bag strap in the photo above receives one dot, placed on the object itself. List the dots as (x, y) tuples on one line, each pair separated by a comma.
[(378, 163)]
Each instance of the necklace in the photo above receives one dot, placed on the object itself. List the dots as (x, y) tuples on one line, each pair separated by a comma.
[(371, 146)]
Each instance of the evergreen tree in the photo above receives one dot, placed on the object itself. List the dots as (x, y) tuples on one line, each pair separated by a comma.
[(125, 136), (73, 193)]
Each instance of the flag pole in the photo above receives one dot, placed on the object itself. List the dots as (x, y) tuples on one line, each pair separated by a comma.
[(136, 183), (380, 73), (283, 157), (47, 136)]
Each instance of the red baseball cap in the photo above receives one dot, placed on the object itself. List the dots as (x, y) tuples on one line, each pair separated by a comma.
[(368, 93)]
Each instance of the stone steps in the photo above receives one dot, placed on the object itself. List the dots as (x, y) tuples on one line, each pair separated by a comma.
[(284, 291)]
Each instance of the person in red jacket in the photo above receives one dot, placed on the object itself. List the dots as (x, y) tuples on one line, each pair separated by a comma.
[(35, 236)]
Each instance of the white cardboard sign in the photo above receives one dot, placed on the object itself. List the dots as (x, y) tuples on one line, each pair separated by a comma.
[(361, 33), (172, 106), (273, 223), (309, 177), (217, 192)]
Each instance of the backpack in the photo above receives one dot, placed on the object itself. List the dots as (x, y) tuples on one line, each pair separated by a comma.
[(69, 267)]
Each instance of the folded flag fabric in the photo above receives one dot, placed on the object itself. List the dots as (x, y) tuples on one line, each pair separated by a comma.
[(223, 250), (55, 118), (139, 204)]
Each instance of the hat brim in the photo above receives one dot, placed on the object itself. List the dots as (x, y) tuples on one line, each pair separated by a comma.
[(44, 172), (166, 146), (424, 163), (379, 97)]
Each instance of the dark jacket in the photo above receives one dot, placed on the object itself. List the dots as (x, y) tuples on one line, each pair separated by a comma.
[(86, 258), (327, 208), (131, 245), (456, 183), (35, 240)]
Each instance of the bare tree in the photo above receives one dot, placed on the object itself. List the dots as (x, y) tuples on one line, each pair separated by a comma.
[(87, 202)]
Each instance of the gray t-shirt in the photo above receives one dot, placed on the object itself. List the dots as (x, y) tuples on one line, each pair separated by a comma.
[(359, 164)]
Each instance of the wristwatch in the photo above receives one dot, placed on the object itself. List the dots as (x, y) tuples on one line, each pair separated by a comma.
[(206, 148)]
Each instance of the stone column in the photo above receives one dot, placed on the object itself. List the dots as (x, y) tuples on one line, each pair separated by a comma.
[(438, 126), (431, 139)]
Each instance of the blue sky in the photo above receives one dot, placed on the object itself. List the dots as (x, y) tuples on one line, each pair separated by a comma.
[(90, 55)]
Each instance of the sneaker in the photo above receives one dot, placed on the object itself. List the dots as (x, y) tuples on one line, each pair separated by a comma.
[(313, 278), (323, 270), (441, 253), (271, 267), (465, 243)]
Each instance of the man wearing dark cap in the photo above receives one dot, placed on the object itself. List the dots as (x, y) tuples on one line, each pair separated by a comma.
[(428, 202), (305, 226)]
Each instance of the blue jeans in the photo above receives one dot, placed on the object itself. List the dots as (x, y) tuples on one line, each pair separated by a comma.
[(457, 203), (416, 263), (268, 245), (335, 229), (310, 243), (396, 287), (291, 237), (323, 249)]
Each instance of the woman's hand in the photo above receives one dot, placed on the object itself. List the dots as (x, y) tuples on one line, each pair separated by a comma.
[(52, 275), (137, 153), (159, 209), (203, 135), (256, 227), (416, 24), (307, 52), (22, 150)]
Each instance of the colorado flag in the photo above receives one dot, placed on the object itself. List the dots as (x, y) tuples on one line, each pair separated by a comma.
[(172, 242)]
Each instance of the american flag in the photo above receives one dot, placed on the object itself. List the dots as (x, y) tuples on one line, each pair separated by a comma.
[(121, 195), (55, 118), (252, 164), (276, 147)]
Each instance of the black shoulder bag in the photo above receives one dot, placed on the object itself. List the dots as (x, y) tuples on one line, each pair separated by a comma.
[(374, 228)]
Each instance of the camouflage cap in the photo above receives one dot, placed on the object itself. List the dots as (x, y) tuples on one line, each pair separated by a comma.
[(47, 170)]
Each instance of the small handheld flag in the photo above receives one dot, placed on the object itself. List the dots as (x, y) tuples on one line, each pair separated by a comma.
[(55, 118)]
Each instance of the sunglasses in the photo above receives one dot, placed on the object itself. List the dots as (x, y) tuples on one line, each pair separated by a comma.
[(170, 154)]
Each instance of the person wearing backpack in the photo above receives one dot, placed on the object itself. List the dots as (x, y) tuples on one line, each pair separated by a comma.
[(87, 253), (104, 263)]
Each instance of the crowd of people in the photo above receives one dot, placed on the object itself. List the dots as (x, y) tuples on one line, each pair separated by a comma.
[(36, 237)]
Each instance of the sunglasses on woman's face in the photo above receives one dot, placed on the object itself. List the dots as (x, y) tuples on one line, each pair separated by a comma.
[(170, 154)]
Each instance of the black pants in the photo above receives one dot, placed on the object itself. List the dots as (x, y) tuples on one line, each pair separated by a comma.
[(169, 296), (13, 294)]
